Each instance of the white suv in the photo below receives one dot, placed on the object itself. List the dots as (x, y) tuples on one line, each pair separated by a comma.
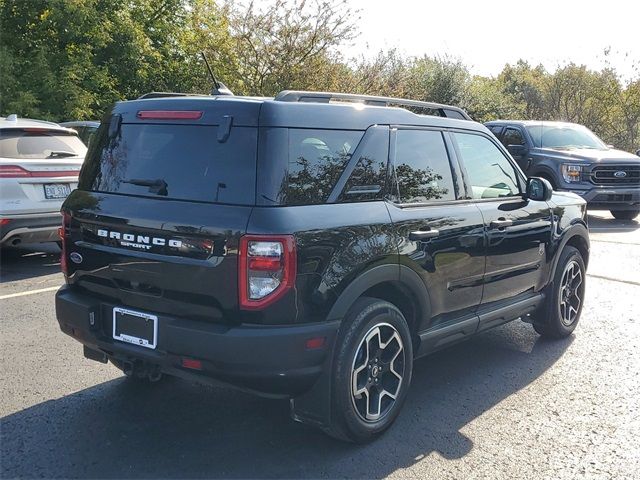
[(39, 166)]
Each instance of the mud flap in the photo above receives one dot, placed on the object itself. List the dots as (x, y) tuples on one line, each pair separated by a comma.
[(314, 406)]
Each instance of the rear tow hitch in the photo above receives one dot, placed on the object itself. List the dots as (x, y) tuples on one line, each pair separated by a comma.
[(141, 369)]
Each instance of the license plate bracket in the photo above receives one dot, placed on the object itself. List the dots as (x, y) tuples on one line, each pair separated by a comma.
[(136, 328), (56, 190)]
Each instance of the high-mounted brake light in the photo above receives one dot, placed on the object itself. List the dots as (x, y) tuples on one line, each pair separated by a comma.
[(169, 114), (266, 269), (14, 171)]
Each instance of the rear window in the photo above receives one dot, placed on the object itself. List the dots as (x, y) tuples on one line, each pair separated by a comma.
[(39, 143), (181, 162), (317, 158)]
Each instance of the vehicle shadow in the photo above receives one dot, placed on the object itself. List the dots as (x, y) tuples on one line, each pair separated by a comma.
[(611, 225), (20, 263), (177, 429)]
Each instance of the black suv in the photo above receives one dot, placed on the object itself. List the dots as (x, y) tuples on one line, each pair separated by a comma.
[(572, 158), (309, 246)]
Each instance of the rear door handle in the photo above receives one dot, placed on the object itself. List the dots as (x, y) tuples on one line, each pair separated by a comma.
[(424, 234), (501, 223)]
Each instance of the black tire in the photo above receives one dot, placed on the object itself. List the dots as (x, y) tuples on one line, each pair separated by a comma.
[(349, 412), (625, 214), (559, 315)]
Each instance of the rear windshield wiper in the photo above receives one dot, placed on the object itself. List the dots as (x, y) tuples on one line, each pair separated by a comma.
[(61, 153), (157, 186)]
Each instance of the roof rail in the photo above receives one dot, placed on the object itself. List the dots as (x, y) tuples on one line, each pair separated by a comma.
[(162, 95), (448, 111)]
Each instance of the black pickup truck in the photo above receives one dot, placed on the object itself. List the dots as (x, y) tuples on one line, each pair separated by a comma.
[(310, 246)]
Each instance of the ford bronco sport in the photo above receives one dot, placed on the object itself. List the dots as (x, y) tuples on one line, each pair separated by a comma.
[(572, 158), (309, 246)]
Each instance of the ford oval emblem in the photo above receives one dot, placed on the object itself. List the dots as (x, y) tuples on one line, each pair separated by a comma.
[(620, 174), (75, 257)]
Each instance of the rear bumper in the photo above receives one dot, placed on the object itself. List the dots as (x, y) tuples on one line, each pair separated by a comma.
[(610, 198), (270, 360), (36, 228)]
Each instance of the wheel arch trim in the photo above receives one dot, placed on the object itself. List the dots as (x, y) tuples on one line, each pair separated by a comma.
[(394, 273), (577, 230)]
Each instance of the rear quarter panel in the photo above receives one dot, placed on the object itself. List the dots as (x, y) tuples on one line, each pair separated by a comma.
[(335, 243)]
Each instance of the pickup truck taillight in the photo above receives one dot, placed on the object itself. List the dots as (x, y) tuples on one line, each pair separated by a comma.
[(266, 269), (63, 233)]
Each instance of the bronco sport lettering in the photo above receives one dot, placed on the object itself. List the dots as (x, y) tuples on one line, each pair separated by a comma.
[(138, 241)]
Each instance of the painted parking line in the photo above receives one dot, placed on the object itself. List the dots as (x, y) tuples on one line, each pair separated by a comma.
[(29, 292), (611, 279)]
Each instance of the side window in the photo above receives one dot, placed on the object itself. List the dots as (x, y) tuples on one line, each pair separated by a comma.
[(88, 134), (489, 172), (367, 180), (421, 167), (316, 161), (496, 129), (512, 136)]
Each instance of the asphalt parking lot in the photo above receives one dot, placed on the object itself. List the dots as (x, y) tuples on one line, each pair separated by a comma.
[(504, 405)]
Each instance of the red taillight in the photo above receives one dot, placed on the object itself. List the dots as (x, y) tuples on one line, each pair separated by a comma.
[(266, 269), (265, 264), (4, 221), (14, 171), (192, 363), (63, 233), (169, 115), (314, 343)]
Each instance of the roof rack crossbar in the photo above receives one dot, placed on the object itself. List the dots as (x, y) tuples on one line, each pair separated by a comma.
[(326, 97)]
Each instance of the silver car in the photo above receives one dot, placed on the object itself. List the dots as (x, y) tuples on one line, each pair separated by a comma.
[(39, 166)]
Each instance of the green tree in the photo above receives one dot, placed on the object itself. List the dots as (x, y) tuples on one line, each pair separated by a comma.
[(288, 45)]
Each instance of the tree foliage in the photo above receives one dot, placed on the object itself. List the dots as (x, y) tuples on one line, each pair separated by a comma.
[(70, 59)]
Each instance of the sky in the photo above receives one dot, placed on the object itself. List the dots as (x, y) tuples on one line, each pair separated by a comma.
[(486, 35)]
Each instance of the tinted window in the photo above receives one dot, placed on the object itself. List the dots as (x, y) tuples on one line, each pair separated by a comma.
[(39, 143), (454, 114), (86, 134), (422, 169), (367, 180), (512, 136), (495, 129), (316, 160), (489, 172), (184, 162)]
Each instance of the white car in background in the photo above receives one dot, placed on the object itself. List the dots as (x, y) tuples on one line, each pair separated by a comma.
[(39, 166)]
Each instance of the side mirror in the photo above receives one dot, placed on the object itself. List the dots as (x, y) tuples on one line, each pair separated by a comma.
[(638, 152), (539, 189), (612, 147), (517, 150)]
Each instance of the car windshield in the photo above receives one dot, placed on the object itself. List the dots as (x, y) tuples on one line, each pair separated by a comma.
[(564, 137), (39, 143)]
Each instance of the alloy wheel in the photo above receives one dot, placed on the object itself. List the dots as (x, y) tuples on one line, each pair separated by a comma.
[(570, 297), (377, 372)]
